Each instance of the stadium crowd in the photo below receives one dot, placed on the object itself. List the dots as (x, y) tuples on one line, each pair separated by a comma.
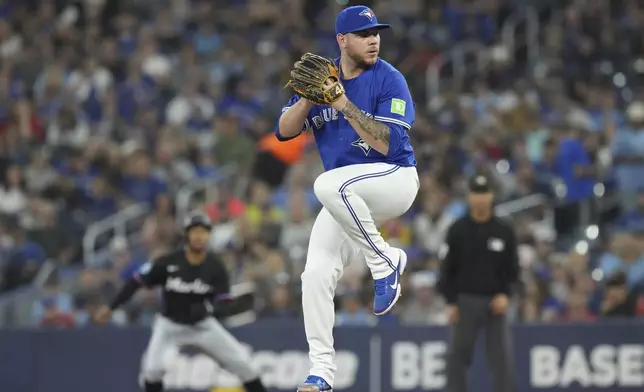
[(104, 104)]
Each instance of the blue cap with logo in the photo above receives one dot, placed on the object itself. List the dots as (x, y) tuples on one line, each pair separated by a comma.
[(357, 18)]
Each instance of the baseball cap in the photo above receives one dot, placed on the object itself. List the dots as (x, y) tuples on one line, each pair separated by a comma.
[(357, 18), (480, 183)]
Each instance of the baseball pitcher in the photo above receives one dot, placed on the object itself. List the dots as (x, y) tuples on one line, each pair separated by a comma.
[(359, 109)]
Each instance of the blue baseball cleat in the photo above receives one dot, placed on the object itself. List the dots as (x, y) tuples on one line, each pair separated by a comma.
[(387, 290), (314, 384)]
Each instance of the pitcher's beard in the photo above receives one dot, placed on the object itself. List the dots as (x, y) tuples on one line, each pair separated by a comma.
[(359, 61)]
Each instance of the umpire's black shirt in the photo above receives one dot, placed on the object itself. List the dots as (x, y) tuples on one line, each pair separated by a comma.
[(189, 290), (479, 258)]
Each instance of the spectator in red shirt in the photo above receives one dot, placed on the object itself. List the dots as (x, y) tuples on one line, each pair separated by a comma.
[(23, 123), (577, 309), (54, 317)]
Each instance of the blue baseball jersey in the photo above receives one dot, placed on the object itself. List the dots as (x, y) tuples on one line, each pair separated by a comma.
[(381, 92)]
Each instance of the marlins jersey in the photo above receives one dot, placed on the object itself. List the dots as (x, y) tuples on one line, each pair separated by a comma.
[(381, 92), (188, 290)]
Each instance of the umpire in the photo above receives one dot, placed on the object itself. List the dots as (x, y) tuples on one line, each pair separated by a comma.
[(478, 271)]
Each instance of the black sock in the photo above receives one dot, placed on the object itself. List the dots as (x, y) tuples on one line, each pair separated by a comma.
[(254, 386), (153, 386)]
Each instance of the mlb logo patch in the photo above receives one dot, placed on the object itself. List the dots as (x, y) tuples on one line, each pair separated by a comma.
[(398, 106)]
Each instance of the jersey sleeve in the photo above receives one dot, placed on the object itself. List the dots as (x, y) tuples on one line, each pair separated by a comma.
[(305, 126), (395, 108), (151, 274)]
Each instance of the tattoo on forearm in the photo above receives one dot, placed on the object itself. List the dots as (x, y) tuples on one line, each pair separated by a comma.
[(378, 130)]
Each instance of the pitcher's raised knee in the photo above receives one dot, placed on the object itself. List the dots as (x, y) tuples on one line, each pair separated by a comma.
[(327, 189)]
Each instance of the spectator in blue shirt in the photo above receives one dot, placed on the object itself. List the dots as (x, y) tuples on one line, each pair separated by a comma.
[(625, 256), (628, 155), (461, 17), (575, 169), (353, 313), (77, 172), (136, 91), (242, 105), (24, 260), (122, 260), (100, 200), (138, 183), (633, 219)]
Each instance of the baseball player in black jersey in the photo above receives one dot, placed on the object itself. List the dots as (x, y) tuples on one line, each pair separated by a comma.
[(194, 282)]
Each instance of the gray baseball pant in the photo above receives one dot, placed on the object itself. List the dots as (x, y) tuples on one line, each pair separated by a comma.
[(474, 316), (208, 335)]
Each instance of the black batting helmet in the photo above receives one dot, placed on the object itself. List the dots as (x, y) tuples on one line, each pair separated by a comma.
[(196, 219)]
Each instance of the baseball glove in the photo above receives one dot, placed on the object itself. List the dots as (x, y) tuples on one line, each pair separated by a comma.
[(309, 77)]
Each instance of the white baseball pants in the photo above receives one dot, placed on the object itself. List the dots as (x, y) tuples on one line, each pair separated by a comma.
[(355, 198)]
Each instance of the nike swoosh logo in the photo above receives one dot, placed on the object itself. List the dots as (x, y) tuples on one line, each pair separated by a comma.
[(395, 284)]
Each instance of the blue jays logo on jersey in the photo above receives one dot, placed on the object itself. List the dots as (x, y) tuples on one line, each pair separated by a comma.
[(361, 144), (368, 13)]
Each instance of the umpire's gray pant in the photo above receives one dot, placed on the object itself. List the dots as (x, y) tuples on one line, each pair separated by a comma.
[(208, 335), (474, 315)]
